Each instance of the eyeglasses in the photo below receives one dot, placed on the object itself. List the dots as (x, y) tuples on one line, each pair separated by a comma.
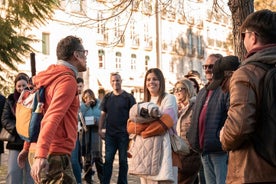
[(243, 34), (85, 52), (176, 90), (210, 67)]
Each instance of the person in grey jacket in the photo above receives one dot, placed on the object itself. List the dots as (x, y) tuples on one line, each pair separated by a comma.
[(245, 164), (209, 115)]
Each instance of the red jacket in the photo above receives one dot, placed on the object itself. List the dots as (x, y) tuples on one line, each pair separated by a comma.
[(59, 125)]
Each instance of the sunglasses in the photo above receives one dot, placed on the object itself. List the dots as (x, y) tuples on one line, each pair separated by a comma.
[(85, 52), (243, 34), (210, 67), (176, 90)]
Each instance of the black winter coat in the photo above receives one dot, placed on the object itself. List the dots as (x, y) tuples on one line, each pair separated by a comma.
[(8, 122), (2, 103)]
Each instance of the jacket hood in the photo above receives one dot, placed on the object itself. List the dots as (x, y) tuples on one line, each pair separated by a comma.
[(266, 55), (47, 76)]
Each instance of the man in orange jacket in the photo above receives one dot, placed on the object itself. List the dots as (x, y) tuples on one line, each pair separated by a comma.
[(50, 155)]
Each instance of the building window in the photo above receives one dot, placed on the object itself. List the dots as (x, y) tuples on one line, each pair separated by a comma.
[(46, 43), (147, 37), (147, 7), (119, 36), (118, 60), (200, 48), (100, 25), (101, 57), (134, 37), (133, 62), (118, 31), (102, 36), (147, 59), (132, 29), (171, 69), (191, 50)]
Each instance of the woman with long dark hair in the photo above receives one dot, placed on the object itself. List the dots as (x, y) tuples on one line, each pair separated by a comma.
[(91, 144), (15, 174)]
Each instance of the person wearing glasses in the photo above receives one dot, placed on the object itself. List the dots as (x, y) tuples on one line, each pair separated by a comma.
[(241, 127), (49, 157), (190, 164), (194, 76), (209, 115)]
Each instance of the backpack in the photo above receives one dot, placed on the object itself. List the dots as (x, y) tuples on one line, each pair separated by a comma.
[(264, 139), (29, 113)]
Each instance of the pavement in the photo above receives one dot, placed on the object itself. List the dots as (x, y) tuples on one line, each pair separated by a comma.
[(131, 179)]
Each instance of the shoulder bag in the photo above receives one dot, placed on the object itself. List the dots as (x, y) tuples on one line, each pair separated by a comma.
[(6, 136), (178, 144)]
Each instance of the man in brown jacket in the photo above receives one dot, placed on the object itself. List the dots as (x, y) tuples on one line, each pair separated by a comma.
[(245, 165)]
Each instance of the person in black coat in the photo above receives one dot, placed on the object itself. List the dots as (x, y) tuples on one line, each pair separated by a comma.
[(2, 102), (8, 120)]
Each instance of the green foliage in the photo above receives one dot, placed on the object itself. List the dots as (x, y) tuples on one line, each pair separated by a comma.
[(17, 17)]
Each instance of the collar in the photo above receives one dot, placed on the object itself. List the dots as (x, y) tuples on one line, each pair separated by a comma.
[(253, 51), (65, 63)]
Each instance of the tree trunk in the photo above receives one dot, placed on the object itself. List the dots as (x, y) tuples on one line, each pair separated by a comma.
[(239, 9)]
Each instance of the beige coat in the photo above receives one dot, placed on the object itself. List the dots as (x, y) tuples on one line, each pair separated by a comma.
[(189, 165)]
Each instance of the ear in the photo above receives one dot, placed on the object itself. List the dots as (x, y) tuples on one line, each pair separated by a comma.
[(76, 54), (255, 38)]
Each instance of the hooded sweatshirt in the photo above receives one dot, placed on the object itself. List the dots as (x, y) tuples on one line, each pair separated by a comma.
[(58, 130)]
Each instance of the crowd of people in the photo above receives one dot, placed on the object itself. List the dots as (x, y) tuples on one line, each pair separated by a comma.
[(217, 121)]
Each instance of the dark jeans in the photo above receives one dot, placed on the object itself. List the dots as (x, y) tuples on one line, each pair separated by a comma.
[(76, 161), (112, 144), (88, 168)]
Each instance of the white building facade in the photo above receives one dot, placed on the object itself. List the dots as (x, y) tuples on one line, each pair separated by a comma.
[(176, 39)]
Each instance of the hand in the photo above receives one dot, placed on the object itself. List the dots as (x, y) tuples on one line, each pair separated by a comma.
[(101, 134), (89, 103), (221, 133), (39, 165), (22, 158)]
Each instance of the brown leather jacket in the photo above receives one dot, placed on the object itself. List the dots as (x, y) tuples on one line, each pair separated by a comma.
[(245, 165)]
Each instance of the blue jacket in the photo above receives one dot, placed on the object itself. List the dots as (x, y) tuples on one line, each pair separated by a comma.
[(216, 115)]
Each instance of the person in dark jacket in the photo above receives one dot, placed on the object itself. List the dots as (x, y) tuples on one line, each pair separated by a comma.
[(2, 102), (15, 174), (209, 115)]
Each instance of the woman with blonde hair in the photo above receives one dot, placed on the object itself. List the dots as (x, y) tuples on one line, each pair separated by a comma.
[(189, 165)]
